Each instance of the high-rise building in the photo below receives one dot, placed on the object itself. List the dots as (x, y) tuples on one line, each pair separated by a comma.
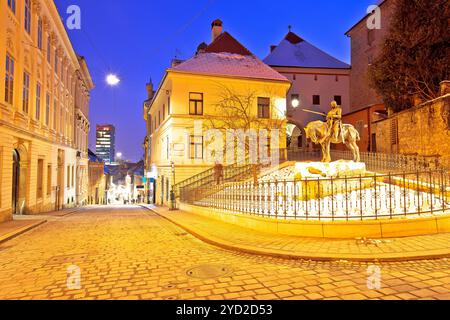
[(44, 112), (106, 140)]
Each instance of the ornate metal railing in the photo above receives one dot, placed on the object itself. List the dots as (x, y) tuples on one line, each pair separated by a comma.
[(204, 186), (365, 197), (380, 162)]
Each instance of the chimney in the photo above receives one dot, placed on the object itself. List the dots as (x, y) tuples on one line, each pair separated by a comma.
[(272, 47), (216, 29), (150, 91)]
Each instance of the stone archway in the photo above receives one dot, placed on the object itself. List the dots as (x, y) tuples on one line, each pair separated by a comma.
[(19, 180), (297, 137)]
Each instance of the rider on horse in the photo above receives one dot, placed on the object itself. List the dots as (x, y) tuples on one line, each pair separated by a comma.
[(334, 123)]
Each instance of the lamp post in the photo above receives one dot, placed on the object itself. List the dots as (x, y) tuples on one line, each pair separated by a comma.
[(172, 192)]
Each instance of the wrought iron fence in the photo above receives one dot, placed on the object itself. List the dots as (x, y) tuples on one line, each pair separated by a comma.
[(344, 198), (380, 162)]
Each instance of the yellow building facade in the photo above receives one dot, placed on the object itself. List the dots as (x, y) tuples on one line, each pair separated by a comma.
[(187, 105), (44, 112)]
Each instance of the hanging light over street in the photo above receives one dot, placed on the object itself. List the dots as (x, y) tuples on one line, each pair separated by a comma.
[(112, 80)]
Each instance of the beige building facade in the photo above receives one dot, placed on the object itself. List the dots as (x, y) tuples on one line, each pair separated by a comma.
[(188, 100), (44, 112)]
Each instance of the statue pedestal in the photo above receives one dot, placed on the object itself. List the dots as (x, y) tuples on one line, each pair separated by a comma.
[(337, 169), (320, 180)]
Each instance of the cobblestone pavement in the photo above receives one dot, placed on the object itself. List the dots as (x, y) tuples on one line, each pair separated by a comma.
[(393, 249), (131, 253)]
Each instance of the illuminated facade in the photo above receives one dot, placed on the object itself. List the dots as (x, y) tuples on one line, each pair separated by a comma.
[(188, 96), (44, 112), (105, 144)]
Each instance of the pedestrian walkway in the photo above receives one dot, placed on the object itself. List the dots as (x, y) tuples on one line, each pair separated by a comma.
[(58, 213), (14, 228), (237, 238)]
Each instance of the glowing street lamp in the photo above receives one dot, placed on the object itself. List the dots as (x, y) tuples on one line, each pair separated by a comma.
[(295, 103), (112, 80)]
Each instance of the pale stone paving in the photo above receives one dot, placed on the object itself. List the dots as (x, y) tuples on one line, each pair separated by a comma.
[(130, 253)]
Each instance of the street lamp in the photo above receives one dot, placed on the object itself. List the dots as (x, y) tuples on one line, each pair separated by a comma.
[(112, 80), (295, 103)]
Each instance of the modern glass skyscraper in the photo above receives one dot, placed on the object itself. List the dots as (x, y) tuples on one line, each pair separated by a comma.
[(106, 140)]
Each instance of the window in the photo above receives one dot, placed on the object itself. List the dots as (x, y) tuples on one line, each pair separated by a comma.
[(316, 100), (167, 148), (264, 108), (47, 109), (9, 79), (49, 49), (40, 179), (159, 117), (26, 92), (38, 101), (49, 179), (338, 100), (164, 111), (12, 5), (39, 34), (27, 17), (196, 147), (195, 103), (68, 176), (73, 176)]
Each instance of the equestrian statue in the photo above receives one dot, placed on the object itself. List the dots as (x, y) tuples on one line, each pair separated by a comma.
[(333, 131)]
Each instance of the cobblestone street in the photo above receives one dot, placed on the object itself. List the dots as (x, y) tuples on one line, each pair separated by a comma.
[(132, 253)]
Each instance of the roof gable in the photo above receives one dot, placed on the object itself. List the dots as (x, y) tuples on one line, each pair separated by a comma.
[(293, 51), (226, 43)]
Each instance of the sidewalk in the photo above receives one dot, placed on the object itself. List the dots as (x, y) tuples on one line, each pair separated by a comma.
[(14, 228), (59, 213), (236, 238)]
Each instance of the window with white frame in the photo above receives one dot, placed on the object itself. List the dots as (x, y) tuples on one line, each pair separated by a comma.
[(196, 147)]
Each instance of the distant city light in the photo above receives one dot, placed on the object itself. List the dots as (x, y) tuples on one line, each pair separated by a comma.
[(119, 155), (112, 80)]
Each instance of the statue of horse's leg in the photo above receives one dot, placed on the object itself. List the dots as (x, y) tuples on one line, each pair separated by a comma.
[(357, 156), (328, 151)]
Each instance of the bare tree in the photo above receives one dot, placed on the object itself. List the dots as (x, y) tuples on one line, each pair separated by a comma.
[(238, 111)]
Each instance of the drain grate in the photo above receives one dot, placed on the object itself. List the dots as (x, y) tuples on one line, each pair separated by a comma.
[(209, 271)]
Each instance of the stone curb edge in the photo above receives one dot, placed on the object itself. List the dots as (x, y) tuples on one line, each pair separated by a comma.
[(18, 232), (218, 242)]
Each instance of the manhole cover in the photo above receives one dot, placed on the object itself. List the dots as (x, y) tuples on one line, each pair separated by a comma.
[(209, 271)]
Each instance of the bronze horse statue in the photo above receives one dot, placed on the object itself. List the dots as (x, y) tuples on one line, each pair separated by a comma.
[(317, 132)]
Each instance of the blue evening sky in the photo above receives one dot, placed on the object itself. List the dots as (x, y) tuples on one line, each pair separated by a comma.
[(138, 38)]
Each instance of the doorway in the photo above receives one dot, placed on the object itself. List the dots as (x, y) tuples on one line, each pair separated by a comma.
[(16, 182)]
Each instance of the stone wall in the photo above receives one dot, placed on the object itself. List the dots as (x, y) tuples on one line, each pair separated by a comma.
[(423, 130)]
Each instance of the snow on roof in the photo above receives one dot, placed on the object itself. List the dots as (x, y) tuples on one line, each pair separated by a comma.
[(302, 54), (229, 64)]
